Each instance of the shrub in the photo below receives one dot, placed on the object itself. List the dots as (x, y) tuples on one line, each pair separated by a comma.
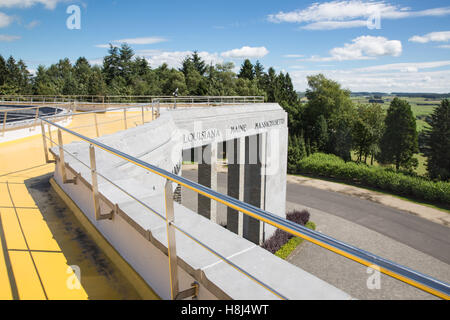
[(290, 246), (401, 183), (280, 237)]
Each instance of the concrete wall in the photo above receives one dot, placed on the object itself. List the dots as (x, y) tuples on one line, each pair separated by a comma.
[(140, 235)]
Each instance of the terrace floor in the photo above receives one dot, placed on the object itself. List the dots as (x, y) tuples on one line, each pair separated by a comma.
[(44, 251)]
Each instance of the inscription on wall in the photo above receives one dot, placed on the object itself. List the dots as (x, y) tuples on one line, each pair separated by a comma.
[(214, 133), (207, 134)]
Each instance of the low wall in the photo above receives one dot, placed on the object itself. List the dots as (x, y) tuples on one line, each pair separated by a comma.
[(139, 235)]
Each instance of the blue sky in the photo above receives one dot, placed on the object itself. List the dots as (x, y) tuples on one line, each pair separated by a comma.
[(405, 46)]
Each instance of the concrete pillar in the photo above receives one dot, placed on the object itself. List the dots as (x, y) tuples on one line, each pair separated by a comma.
[(254, 185), (235, 183), (207, 176)]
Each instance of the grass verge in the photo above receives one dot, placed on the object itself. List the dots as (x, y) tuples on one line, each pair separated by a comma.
[(439, 206)]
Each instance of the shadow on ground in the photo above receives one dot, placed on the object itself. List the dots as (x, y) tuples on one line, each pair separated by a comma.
[(99, 277)]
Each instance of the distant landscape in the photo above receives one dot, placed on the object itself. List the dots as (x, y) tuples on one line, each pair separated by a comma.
[(396, 142)]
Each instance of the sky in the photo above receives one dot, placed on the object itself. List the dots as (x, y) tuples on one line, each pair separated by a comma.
[(387, 46)]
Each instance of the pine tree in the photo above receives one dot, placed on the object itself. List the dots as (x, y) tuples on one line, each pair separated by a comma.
[(296, 152), (247, 71), (198, 63), (111, 64), (399, 141), (3, 70), (437, 142)]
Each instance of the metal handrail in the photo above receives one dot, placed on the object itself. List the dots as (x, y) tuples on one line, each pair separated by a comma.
[(110, 99), (19, 121), (402, 273)]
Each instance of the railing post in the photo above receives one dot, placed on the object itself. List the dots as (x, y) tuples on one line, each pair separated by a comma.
[(36, 118), (96, 124), (4, 123), (50, 134), (125, 118), (95, 193), (44, 140), (62, 163), (171, 243), (94, 181), (143, 117)]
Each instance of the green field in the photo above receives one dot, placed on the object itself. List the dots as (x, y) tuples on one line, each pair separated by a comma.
[(420, 107)]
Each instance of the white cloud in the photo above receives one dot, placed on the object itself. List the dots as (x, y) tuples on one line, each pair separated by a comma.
[(363, 48), (174, 58), (246, 53), (406, 67), (5, 20), (96, 61), (140, 41), (133, 41), (8, 38), (389, 81), (332, 25), (104, 46), (441, 36), (33, 24), (349, 14), (293, 56), (444, 46), (49, 4)]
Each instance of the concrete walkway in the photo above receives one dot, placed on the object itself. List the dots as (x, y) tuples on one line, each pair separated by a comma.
[(351, 276)]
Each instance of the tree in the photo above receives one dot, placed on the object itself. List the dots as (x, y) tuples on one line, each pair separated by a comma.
[(3, 70), (367, 130), (247, 71), (269, 80), (326, 98), (43, 84), (320, 135), (111, 64), (296, 152), (198, 63), (399, 141), (259, 70), (96, 85), (82, 72), (437, 142)]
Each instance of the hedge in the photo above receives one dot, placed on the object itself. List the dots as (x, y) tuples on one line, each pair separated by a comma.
[(327, 165)]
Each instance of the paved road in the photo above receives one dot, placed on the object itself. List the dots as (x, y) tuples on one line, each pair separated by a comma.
[(390, 233), (393, 234), (423, 235)]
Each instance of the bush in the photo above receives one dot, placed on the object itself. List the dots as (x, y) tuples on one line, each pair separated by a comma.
[(290, 246), (280, 237), (401, 183)]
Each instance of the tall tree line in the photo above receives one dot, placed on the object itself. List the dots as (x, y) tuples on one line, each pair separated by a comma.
[(123, 73), (328, 122)]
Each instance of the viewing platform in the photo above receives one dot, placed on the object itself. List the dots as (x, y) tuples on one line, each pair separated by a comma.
[(89, 205)]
